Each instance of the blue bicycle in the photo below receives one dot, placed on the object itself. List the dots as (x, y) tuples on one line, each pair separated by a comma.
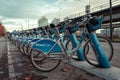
[(50, 52)]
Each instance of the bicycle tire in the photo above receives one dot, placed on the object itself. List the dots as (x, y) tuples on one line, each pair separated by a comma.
[(37, 63), (21, 49), (75, 55), (67, 43), (29, 49), (25, 50), (92, 61)]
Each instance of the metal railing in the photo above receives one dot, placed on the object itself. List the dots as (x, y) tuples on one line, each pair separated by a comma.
[(105, 6), (98, 8)]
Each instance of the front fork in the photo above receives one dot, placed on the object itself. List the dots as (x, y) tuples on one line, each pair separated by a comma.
[(102, 58)]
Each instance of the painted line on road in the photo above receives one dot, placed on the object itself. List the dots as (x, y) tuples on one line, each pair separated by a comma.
[(11, 68)]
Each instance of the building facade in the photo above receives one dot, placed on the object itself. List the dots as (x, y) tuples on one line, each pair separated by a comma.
[(56, 20), (43, 21)]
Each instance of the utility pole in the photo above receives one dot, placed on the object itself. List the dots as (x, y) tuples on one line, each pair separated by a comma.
[(60, 12), (27, 22), (87, 8), (111, 28), (21, 26)]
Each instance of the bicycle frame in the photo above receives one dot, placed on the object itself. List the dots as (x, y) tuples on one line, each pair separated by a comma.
[(54, 46), (49, 46), (102, 59)]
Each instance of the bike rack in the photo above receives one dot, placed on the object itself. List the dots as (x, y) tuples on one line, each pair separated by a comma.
[(102, 58), (75, 44)]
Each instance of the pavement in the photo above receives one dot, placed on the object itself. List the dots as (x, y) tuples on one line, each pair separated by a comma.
[(15, 66), (3, 59), (112, 73), (116, 57)]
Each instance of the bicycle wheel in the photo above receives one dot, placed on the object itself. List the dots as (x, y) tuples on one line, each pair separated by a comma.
[(25, 49), (92, 57), (21, 49), (43, 63), (29, 49), (70, 46)]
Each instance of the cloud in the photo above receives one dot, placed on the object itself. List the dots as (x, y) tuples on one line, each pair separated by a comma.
[(2, 18), (16, 11), (33, 9), (19, 8), (9, 23), (66, 1)]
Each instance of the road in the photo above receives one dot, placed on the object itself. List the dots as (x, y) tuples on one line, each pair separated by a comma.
[(3, 60), (116, 57), (116, 54), (2, 44)]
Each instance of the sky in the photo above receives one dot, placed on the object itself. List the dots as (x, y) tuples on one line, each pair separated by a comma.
[(16, 14)]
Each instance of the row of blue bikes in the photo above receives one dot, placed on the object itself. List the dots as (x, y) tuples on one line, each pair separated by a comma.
[(48, 46)]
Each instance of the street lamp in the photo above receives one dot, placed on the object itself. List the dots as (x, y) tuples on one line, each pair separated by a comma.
[(21, 26), (60, 12), (89, 2), (87, 8), (27, 22)]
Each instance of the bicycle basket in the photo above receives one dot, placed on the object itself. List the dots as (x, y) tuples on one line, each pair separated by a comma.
[(94, 24), (74, 29)]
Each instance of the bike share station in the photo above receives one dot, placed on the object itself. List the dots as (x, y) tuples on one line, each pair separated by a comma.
[(106, 70), (53, 48)]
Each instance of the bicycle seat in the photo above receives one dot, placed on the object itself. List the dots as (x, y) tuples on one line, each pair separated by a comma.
[(62, 28), (27, 33), (52, 26), (46, 27), (34, 30), (40, 28), (94, 24)]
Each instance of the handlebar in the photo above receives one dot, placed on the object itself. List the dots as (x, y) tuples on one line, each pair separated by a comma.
[(68, 24)]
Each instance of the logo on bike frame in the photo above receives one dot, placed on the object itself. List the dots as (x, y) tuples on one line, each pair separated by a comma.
[(44, 45)]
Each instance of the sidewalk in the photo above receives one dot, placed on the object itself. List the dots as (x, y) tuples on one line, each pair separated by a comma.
[(20, 68), (112, 73)]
